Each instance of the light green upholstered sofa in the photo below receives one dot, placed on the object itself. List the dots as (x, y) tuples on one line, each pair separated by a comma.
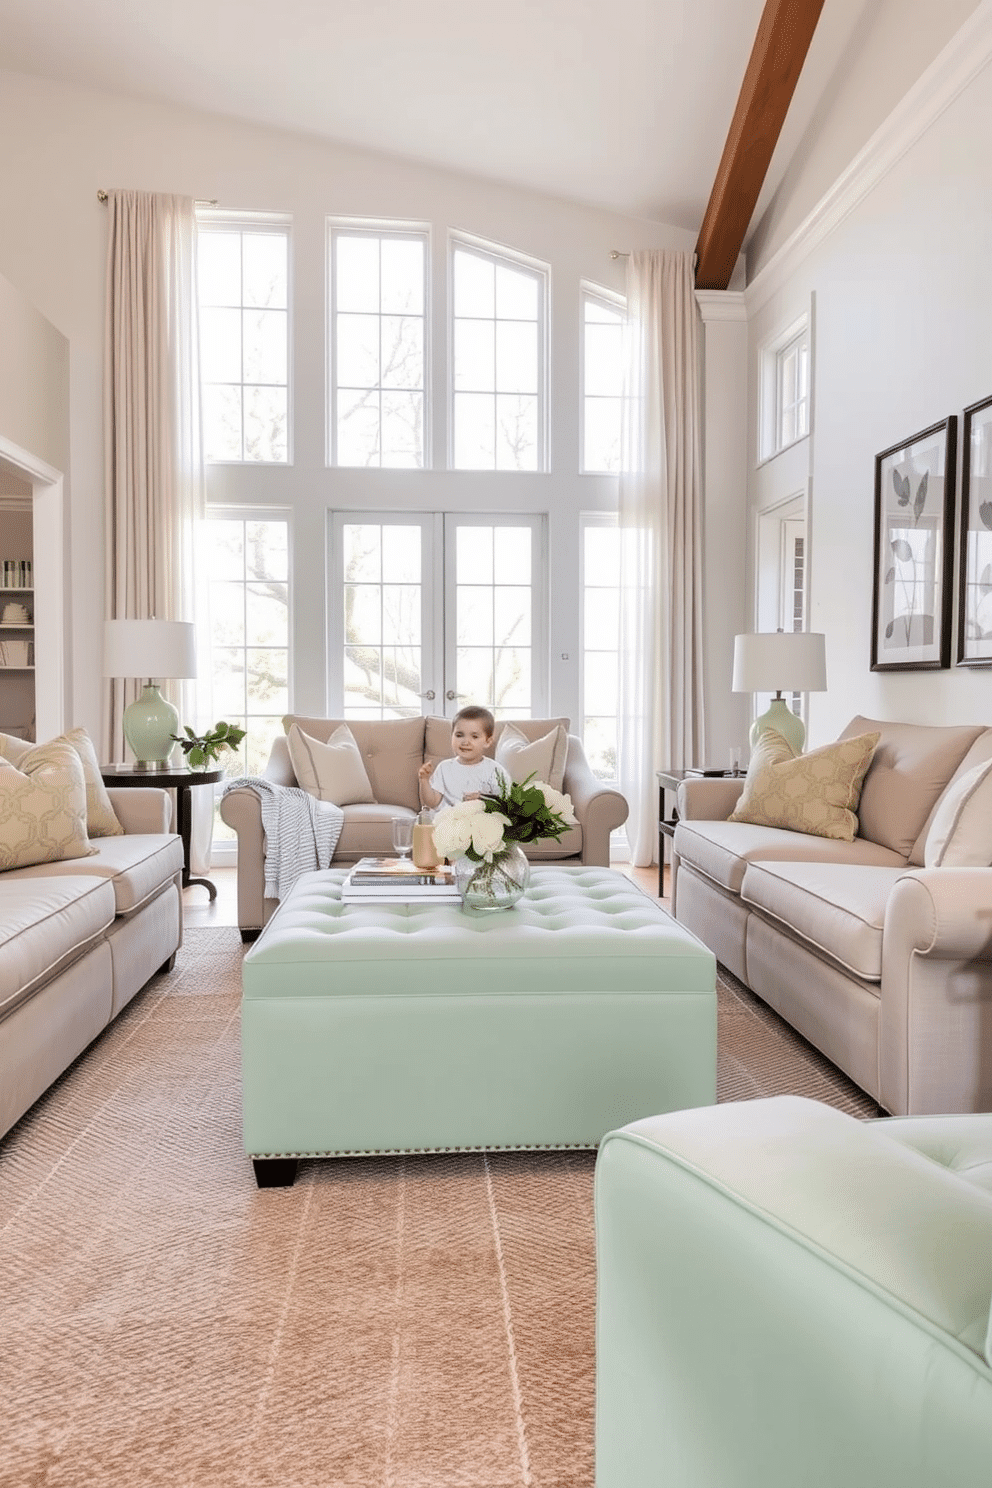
[(393, 751), (790, 1298)]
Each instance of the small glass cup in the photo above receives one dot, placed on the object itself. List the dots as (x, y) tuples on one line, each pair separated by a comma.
[(735, 759), (402, 835)]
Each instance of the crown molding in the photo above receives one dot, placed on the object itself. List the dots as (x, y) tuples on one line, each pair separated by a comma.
[(721, 304), (967, 53)]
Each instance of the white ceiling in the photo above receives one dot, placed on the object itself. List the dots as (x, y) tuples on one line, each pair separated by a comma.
[(623, 104)]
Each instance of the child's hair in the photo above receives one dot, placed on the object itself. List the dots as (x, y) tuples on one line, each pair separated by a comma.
[(474, 714)]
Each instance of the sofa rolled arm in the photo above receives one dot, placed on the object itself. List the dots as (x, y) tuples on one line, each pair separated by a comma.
[(144, 809), (708, 800), (945, 913), (241, 809), (599, 809)]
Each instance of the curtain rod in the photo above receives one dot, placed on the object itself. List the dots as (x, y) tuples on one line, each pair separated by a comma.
[(200, 201), (616, 253)]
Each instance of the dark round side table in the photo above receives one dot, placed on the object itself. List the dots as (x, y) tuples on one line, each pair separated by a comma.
[(181, 781)]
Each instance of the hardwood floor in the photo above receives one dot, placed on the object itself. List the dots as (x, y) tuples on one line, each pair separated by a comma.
[(198, 911)]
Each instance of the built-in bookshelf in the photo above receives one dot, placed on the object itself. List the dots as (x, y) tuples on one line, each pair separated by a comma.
[(17, 600)]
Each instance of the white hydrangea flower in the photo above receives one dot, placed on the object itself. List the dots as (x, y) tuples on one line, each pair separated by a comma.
[(556, 801), (487, 833), (453, 832), (467, 808)]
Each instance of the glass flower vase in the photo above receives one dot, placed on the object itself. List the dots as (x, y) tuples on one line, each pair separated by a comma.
[(495, 885)]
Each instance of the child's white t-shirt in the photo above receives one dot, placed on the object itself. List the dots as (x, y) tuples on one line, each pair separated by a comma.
[(454, 781)]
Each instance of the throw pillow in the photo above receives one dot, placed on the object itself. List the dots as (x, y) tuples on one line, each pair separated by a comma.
[(543, 757), (960, 834), (332, 771), (43, 808), (101, 819), (816, 793)]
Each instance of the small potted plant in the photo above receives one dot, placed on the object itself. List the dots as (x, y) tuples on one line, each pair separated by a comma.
[(202, 750)]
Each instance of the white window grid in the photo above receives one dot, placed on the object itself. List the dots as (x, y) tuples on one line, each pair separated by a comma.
[(500, 257), (257, 396), (785, 382), (378, 393), (600, 638), (603, 315)]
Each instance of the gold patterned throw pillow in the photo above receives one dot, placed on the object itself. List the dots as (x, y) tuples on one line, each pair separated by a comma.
[(101, 819), (43, 808), (816, 792)]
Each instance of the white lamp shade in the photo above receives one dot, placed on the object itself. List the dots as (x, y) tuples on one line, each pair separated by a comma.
[(149, 648), (780, 661)]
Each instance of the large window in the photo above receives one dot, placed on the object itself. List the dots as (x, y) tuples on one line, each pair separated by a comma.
[(603, 318), (601, 643), (243, 274), (378, 336), (498, 361), (434, 611), (247, 563)]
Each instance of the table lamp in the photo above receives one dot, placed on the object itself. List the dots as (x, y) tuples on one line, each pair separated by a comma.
[(780, 661), (154, 649)]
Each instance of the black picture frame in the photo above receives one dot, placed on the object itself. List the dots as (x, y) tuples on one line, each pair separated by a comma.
[(975, 538), (912, 590)]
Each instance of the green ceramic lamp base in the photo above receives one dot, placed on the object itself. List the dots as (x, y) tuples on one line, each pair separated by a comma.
[(149, 723), (780, 718)]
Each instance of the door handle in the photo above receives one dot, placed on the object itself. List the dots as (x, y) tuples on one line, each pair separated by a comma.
[(451, 696), (428, 695)]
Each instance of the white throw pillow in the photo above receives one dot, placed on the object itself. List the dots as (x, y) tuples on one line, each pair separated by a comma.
[(960, 834), (331, 771), (543, 757)]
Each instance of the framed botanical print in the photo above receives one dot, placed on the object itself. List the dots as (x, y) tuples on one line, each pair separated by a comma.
[(975, 551), (914, 559)]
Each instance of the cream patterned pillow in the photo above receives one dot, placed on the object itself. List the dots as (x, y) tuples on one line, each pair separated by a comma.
[(543, 757), (43, 808), (816, 793), (333, 771), (960, 834), (101, 820)]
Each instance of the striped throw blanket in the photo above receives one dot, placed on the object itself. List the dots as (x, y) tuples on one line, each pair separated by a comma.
[(301, 832)]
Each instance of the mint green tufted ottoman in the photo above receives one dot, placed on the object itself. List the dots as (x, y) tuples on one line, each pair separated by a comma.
[(412, 1028)]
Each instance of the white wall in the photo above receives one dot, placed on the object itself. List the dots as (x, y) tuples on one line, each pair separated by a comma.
[(903, 326), (34, 380), (53, 243), (892, 44)]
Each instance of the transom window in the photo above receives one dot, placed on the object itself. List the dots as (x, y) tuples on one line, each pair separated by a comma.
[(603, 318), (378, 307), (792, 391), (498, 362), (243, 277)]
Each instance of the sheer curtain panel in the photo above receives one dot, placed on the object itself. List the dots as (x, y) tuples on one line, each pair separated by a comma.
[(661, 619), (152, 454)]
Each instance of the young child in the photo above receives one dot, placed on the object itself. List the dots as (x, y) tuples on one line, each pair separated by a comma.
[(470, 773)]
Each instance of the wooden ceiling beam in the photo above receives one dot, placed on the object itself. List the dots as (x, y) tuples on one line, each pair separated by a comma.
[(780, 46)]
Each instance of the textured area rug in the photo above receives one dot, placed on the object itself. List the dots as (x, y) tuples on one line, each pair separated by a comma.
[(418, 1322)]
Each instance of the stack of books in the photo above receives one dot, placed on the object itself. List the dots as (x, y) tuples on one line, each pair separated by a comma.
[(398, 881)]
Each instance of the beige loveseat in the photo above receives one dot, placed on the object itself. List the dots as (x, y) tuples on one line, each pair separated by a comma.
[(392, 751), (78, 939), (885, 965)]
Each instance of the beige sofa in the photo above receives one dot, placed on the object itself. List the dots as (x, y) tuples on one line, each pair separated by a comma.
[(393, 751), (883, 964), (78, 939)]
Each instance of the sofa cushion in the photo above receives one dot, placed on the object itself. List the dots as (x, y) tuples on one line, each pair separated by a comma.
[(911, 766), (978, 752), (392, 752), (721, 850), (332, 771), (838, 908), (44, 927), (101, 818), (815, 793), (543, 757), (138, 866), (960, 834), (43, 807)]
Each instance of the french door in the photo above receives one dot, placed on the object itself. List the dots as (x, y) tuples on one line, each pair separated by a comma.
[(431, 611)]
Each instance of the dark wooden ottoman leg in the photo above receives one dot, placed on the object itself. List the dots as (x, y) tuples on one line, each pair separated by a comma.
[(274, 1172)]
